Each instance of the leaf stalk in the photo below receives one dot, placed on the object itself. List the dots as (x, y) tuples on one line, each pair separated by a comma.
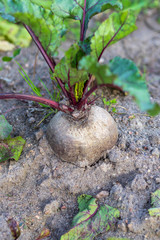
[(42, 100), (83, 23)]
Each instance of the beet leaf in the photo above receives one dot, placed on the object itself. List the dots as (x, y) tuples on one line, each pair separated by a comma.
[(45, 4), (124, 74), (116, 27), (82, 10), (91, 219), (10, 148), (131, 80), (5, 128), (100, 71), (155, 201), (47, 27), (44, 234), (66, 69)]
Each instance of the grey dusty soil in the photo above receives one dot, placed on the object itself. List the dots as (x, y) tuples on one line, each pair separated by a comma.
[(40, 191)]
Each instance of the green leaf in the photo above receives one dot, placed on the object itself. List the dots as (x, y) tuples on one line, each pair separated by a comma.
[(44, 234), (5, 128), (83, 201), (130, 80), (101, 72), (15, 53), (155, 201), (45, 4), (125, 74), (87, 207), (62, 70), (16, 145), (137, 5), (67, 67), (14, 34), (74, 9), (116, 27), (7, 59), (47, 27), (91, 220), (5, 152), (11, 148), (86, 45)]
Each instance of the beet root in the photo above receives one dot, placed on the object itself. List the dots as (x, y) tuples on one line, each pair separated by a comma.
[(82, 142)]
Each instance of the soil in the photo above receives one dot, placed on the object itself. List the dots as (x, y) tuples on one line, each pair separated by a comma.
[(40, 191)]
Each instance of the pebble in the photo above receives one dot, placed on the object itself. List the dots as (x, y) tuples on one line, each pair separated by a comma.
[(154, 140), (41, 150), (155, 153), (137, 124), (157, 180), (117, 192), (105, 167), (158, 232), (113, 155), (130, 227), (101, 60), (122, 226), (102, 194), (138, 183), (31, 120), (133, 147), (52, 207), (39, 134)]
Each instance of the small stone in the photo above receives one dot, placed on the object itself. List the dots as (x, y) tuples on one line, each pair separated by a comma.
[(149, 181), (51, 208), (130, 227), (156, 153), (158, 232), (102, 194), (137, 124), (135, 226), (146, 60), (132, 147), (63, 208), (39, 134), (157, 180), (117, 192), (41, 150), (138, 183), (105, 167), (113, 155), (154, 140), (101, 60), (32, 120), (122, 226)]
